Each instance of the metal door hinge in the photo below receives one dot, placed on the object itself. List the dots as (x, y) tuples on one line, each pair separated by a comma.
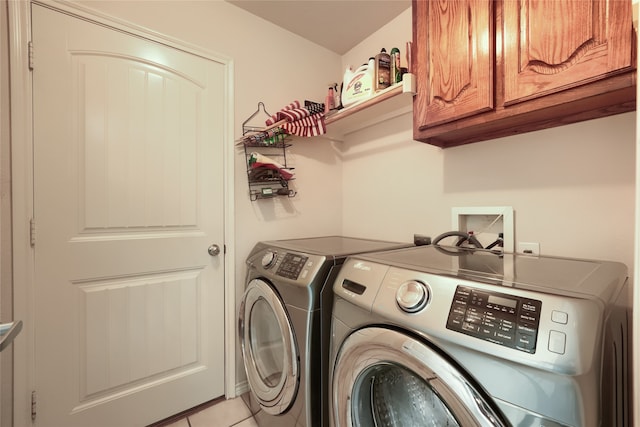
[(32, 232), (30, 48), (33, 405)]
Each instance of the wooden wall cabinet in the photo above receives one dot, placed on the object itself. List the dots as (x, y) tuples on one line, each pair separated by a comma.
[(492, 68)]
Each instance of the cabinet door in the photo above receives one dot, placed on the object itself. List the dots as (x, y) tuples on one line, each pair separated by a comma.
[(552, 45), (454, 58)]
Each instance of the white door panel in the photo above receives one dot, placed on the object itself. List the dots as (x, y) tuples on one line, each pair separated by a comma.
[(128, 187)]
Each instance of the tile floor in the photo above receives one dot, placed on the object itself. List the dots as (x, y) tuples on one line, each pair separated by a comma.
[(227, 413)]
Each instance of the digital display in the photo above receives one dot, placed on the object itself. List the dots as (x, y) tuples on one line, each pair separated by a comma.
[(493, 299)]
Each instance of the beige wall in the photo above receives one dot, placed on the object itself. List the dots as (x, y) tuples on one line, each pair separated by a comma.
[(572, 187)]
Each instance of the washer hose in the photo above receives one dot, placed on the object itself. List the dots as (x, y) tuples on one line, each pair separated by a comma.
[(464, 237)]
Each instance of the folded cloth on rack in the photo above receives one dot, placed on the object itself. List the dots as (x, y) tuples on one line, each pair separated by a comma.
[(267, 137), (257, 160), (263, 173), (299, 120)]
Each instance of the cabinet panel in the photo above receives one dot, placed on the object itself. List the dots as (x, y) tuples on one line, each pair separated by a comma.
[(537, 63), (456, 42), (552, 45)]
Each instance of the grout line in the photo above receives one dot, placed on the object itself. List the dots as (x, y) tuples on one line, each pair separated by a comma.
[(185, 414), (241, 421)]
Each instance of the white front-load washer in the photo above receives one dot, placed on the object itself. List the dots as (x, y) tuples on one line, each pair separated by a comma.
[(285, 345), (437, 336)]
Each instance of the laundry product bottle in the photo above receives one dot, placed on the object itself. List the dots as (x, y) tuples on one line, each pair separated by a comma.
[(358, 84), (382, 70), (396, 74), (337, 92), (329, 101)]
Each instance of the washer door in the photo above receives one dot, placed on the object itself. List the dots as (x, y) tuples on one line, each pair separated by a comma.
[(269, 348), (384, 378)]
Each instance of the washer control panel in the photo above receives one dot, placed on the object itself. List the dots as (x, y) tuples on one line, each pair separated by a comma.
[(503, 319), (291, 265)]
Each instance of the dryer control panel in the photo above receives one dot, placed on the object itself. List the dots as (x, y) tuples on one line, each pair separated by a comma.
[(291, 265), (504, 319)]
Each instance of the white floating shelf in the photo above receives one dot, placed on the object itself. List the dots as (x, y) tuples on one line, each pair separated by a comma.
[(392, 102)]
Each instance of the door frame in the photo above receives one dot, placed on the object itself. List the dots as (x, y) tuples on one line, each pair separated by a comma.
[(22, 173)]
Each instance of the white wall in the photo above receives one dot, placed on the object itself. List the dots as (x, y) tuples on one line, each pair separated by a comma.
[(572, 187), (396, 33)]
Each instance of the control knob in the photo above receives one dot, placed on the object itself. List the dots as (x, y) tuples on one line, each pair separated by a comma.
[(268, 259), (412, 296)]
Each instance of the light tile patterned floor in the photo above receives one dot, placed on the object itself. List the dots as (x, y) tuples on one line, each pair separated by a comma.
[(233, 412)]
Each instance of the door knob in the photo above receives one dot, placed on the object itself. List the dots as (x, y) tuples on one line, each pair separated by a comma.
[(214, 250)]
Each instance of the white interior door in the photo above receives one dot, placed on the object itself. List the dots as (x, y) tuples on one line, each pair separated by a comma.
[(128, 196)]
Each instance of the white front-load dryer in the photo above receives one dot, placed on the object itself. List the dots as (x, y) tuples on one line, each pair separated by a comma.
[(429, 336)]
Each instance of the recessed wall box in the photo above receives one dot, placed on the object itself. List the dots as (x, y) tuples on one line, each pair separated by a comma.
[(486, 223)]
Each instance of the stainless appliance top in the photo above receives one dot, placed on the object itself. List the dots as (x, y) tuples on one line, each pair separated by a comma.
[(334, 246), (564, 276), (307, 263)]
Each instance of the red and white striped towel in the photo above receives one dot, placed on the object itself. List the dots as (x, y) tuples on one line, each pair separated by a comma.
[(299, 121), (257, 160)]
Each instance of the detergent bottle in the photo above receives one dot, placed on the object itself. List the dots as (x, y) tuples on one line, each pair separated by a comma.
[(382, 70), (358, 84)]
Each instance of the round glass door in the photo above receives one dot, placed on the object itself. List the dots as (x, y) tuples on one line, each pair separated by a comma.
[(387, 395), (383, 378), (268, 348), (267, 343)]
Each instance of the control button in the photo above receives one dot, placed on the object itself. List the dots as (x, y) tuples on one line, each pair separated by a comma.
[(526, 318), (461, 290), (505, 337), (412, 296), (526, 343), (455, 322), (457, 310), (473, 318), (470, 327), (486, 331), (557, 342), (526, 329), (559, 317), (489, 323)]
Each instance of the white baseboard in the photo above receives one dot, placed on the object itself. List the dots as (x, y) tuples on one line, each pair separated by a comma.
[(242, 388)]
